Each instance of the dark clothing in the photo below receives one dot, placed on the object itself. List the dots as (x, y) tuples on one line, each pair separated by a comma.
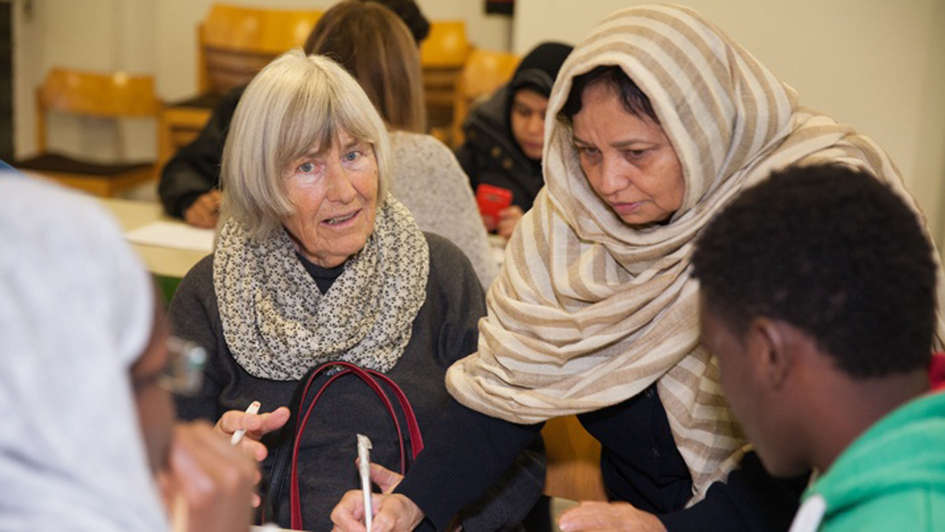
[(324, 277), (444, 330), (639, 460), (195, 169), (490, 153)]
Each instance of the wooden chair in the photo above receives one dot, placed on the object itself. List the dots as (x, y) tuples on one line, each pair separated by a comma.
[(233, 44), (484, 72), (442, 56), (113, 95), (573, 470)]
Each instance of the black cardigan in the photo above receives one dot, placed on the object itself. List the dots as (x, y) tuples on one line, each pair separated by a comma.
[(444, 330)]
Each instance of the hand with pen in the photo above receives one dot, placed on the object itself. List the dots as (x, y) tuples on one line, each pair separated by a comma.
[(253, 426), (395, 512)]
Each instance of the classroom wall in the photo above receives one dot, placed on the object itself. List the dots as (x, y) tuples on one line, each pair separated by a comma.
[(875, 64)]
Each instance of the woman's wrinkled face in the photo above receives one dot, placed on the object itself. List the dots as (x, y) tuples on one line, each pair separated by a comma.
[(628, 160), (334, 190)]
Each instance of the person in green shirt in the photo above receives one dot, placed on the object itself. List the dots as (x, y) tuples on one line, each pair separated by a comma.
[(818, 291)]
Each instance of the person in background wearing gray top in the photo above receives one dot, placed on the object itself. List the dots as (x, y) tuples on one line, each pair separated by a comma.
[(316, 261)]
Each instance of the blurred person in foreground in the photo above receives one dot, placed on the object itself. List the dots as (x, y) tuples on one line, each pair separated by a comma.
[(88, 440)]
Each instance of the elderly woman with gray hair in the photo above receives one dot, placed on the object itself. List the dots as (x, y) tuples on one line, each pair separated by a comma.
[(316, 262)]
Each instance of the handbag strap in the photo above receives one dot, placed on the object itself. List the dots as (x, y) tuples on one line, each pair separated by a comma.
[(369, 377)]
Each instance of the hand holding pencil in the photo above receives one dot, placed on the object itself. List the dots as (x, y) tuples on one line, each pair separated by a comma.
[(253, 426)]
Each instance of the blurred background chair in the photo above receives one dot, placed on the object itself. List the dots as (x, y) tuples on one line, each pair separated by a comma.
[(103, 95), (234, 42), (483, 72), (442, 56)]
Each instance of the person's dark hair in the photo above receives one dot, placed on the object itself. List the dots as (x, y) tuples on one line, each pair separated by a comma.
[(539, 68), (410, 13), (835, 253), (633, 99)]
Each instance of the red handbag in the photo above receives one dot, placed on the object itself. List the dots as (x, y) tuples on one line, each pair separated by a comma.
[(371, 378)]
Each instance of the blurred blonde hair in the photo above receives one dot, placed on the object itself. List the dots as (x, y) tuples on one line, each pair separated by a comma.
[(375, 46), (294, 103)]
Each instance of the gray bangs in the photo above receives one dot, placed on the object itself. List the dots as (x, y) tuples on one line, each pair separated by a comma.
[(315, 117)]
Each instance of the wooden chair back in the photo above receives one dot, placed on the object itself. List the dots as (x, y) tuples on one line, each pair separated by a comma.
[(103, 95), (108, 95), (484, 72), (442, 56), (235, 42)]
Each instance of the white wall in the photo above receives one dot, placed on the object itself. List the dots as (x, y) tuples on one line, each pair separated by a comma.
[(876, 64)]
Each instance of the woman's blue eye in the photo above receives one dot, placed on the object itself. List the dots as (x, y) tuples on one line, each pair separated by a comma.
[(352, 155), (306, 168)]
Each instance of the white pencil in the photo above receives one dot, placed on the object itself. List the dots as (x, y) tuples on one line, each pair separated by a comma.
[(364, 468), (253, 408)]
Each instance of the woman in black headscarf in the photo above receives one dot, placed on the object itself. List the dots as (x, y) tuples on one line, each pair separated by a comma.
[(504, 135)]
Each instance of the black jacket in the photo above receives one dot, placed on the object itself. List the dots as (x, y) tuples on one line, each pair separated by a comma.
[(195, 169)]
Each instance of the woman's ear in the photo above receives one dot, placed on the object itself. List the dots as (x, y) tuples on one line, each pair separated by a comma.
[(769, 350)]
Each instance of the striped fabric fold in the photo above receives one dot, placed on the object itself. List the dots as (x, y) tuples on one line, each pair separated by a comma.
[(587, 311)]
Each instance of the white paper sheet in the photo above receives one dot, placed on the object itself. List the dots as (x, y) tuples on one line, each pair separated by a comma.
[(172, 235)]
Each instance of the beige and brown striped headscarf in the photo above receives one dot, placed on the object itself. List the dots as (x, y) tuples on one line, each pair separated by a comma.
[(588, 311)]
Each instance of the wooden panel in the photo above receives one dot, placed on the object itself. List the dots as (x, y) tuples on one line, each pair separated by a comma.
[(227, 68), (446, 45), (108, 95), (269, 31), (573, 461), (484, 71), (235, 42), (102, 186), (97, 94), (177, 127)]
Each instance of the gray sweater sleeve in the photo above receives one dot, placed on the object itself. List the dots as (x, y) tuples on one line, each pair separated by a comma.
[(429, 181)]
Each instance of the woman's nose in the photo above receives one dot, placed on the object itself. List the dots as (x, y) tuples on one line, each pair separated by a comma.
[(613, 176), (536, 124), (340, 187)]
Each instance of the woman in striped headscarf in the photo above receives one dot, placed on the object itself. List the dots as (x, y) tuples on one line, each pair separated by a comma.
[(662, 119)]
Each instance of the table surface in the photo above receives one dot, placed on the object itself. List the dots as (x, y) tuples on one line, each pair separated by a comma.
[(164, 261)]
